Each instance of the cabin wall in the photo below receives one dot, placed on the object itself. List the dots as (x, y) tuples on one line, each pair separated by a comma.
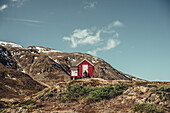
[(80, 69)]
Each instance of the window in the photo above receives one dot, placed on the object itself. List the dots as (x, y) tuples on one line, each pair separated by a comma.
[(89, 65)]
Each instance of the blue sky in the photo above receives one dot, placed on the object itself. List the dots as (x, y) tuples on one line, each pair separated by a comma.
[(132, 35)]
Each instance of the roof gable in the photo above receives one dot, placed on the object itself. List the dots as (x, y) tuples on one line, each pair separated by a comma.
[(83, 61)]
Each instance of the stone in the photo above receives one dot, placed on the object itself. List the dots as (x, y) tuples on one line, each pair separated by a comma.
[(143, 89)]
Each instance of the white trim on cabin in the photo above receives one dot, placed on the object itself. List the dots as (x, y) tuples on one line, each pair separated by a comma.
[(83, 61)]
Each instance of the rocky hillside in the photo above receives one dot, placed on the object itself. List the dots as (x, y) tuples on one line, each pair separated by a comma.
[(98, 96), (13, 82), (16, 84), (51, 66)]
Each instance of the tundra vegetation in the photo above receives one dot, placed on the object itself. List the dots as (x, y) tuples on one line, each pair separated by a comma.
[(148, 108), (164, 90), (76, 91)]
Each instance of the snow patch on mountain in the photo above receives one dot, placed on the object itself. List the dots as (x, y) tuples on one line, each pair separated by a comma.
[(46, 50), (2, 43), (35, 58), (10, 77)]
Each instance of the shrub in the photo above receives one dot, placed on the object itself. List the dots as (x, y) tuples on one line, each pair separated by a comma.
[(50, 94), (141, 83), (78, 91), (27, 104), (38, 93), (73, 92), (106, 92), (2, 110), (161, 89), (3, 107), (164, 90), (122, 86), (148, 108)]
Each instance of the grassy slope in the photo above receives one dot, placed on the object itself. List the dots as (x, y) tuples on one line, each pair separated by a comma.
[(98, 95)]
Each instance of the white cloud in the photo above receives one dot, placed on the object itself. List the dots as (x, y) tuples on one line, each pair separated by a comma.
[(93, 52), (118, 24), (3, 7), (81, 33), (111, 43), (110, 28), (84, 36), (102, 39), (89, 5), (23, 20)]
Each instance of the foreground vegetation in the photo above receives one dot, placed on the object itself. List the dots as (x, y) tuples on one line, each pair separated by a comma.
[(97, 96), (164, 90), (148, 108), (27, 104), (76, 91)]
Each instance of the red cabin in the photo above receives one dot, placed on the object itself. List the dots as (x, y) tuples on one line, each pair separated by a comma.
[(83, 69)]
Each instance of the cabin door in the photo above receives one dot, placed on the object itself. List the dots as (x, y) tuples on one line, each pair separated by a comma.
[(85, 71)]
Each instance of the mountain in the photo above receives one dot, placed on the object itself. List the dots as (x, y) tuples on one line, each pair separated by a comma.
[(10, 44), (14, 84), (50, 66)]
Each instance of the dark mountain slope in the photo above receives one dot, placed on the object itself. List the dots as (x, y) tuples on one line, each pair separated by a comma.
[(6, 58), (46, 70), (44, 64), (16, 84)]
